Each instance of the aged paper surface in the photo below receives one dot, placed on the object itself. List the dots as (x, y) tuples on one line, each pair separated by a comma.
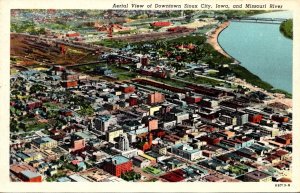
[(163, 184)]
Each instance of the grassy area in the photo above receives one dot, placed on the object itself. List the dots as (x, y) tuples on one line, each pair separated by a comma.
[(152, 170), (59, 25), (13, 71), (196, 80), (35, 126), (88, 68), (27, 27), (170, 82), (86, 110), (237, 170), (116, 69), (126, 76), (202, 80), (126, 32), (243, 73), (205, 29), (198, 40), (287, 94), (286, 28), (122, 74)]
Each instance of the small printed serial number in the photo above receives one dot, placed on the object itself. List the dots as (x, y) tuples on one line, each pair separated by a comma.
[(282, 185)]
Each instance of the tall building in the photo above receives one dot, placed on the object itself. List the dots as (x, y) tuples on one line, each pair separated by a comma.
[(123, 142), (242, 118)]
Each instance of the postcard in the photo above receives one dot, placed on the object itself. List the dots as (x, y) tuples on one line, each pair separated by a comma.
[(158, 96)]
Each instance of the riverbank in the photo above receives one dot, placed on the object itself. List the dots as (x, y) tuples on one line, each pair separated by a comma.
[(238, 70), (274, 97), (213, 38)]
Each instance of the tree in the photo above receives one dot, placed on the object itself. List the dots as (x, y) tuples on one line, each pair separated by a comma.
[(131, 176), (14, 125)]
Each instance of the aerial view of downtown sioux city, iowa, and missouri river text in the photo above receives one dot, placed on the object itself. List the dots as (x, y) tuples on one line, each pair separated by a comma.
[(150, 95)]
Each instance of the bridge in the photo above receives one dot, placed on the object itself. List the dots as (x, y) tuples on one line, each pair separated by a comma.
[(259, 20)]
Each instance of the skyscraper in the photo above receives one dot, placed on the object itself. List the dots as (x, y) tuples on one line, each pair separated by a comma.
[(123, 142)]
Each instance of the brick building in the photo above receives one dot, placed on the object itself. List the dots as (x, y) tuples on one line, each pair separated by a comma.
[(69, 84), (255, 118), (155, 97), (26, 173), (29, 176), (127, 89), (257, 176), (284, 139), (117, 165), (133, 100), (151, 122), (77, 143)]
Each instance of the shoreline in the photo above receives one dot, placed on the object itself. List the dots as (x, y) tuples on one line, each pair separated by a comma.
[(212, 39), (274, 97)]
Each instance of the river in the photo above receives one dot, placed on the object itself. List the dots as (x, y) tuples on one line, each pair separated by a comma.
[(262, 49)]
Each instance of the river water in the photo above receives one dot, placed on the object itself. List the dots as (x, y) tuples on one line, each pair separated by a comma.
[(262, 49)]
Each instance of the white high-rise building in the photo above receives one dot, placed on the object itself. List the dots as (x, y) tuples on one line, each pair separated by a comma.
[(123, 142)]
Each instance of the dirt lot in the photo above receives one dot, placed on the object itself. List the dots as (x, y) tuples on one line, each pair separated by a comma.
[(27, 53)]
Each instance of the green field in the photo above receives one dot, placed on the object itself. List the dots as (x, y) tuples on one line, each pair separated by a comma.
[(111, 43), (152, 170), (88, 68), (202, 80)]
